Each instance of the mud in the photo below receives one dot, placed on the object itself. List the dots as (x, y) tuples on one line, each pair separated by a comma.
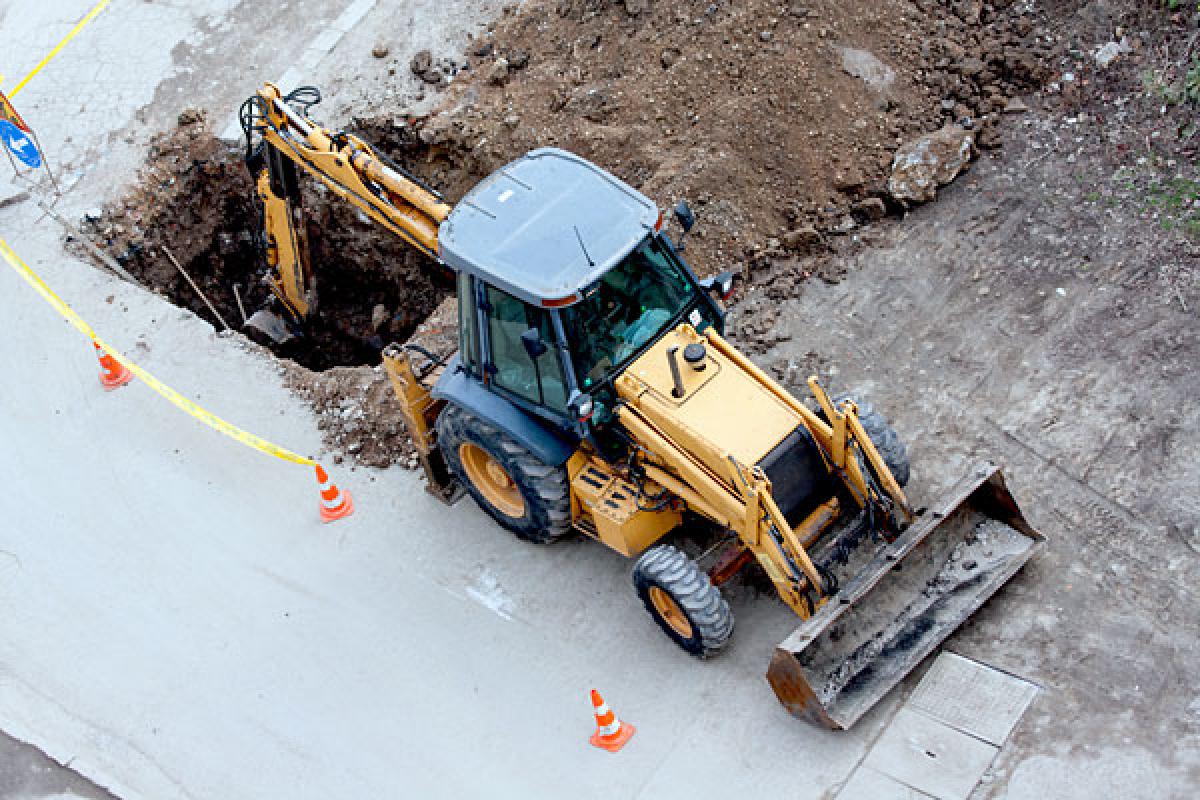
[(778, 122)]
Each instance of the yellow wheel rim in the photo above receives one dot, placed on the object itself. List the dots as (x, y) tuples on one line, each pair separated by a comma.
[(670, 611), (492, 480)]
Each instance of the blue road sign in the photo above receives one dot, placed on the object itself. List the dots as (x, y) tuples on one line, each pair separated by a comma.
[(20, 143)]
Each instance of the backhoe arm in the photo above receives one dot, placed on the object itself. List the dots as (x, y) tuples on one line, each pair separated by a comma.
[(287, 138), (291, 278)]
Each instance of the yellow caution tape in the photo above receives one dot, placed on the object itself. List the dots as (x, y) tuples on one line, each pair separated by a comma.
[(91, 15), (208, 418)]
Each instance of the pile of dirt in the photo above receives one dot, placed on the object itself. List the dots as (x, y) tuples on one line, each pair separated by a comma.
[(195, 200), (1124, 128), (357, 414), (777, 120)]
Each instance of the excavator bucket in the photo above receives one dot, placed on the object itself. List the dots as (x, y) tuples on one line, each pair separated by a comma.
[(898, 603)]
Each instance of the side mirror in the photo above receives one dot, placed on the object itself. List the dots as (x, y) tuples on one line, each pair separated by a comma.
[(534, 346), (581, 405), (685, 216), (720, 284)]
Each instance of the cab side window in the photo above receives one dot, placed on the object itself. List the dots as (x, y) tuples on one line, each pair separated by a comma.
[(537, 380), (468, 332)]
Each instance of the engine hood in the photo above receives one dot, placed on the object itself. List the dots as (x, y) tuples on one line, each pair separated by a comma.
[(723, 410)]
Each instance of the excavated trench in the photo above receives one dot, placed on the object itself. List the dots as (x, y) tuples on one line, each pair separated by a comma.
[(196, 201)]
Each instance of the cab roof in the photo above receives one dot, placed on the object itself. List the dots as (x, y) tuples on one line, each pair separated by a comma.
[(545, 226)]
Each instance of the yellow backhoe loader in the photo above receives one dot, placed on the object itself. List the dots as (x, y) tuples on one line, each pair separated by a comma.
[(593, 391)]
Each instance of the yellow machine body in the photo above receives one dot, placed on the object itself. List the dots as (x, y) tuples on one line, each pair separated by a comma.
[(605, 506)]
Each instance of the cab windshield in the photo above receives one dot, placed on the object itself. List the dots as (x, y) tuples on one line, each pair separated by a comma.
[(630, 306)]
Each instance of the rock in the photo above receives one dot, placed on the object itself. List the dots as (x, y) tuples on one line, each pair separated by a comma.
[(190, 116), (421, 63), (765, 36), (797, 10), (968, 11), (989, 138), (1015, 106), (847, 180), (669, 57), (512, 120), (933, 160), (970, 67), (801, 238), (517, 58), (423, 67), (1109, 52), (379, 316), (594, 105), (863, 65), (872, 208), (380, 50), (498, 73), (484, 50), (845, 225), (634, 7)]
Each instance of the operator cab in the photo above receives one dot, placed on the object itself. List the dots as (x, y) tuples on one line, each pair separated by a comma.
[(564, 277)]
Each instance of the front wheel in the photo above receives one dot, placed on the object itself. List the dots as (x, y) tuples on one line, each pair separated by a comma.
[(882, 434), (683, 601)]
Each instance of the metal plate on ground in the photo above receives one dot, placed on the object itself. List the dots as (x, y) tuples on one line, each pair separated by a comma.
[(973, 698), (867, 784), (930, 756)]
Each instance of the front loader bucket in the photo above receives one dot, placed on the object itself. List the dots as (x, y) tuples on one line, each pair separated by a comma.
[(903, 602)]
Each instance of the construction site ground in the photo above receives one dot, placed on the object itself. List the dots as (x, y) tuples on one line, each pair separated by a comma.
[(179, 624)]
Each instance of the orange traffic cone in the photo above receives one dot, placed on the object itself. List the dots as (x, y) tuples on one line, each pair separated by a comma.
[(611, 733), (335, 503), (113, 373)]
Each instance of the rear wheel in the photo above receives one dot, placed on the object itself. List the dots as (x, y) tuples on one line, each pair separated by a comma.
[(519, 491), (683, 601), (882, 435)]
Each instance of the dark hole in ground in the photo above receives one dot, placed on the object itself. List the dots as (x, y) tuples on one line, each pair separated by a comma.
[(196, 199)]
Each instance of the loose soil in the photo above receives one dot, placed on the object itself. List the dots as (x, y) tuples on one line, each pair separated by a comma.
[(767, 116)]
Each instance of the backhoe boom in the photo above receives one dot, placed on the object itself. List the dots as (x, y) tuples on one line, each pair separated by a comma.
[(344, 163)]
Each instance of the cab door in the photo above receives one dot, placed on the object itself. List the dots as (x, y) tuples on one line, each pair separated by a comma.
[(524, 359)]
